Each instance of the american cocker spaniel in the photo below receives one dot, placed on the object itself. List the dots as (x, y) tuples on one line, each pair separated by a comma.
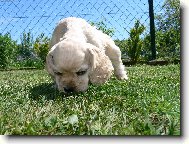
[(80, 54)]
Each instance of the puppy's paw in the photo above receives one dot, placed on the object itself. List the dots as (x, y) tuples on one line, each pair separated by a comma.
[(122, 77)]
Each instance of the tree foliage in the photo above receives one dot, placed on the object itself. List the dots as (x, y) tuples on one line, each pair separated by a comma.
[(169, 18), (168, 30)]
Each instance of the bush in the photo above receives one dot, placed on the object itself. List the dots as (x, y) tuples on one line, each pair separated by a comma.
[(122, 44), (134, 42), (8, 50), (146, 48), (29, 63), (26, 46), (167, 45), (41, 46)]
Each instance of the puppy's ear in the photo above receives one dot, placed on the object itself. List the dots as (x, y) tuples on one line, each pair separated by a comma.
[(101, 65), (49, 66)]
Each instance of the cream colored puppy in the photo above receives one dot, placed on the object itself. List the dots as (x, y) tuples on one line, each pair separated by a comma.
[(79, 54)]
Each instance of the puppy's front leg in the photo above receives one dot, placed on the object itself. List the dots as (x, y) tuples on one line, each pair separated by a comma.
[(114, 53)]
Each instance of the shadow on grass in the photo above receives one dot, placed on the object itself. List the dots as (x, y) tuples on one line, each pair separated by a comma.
[(43, 90), (47, 91)]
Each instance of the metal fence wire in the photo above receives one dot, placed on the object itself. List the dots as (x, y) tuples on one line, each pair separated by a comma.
[(41, 16)]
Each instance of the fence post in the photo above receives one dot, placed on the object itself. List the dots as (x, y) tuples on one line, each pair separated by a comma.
[(152, 29)]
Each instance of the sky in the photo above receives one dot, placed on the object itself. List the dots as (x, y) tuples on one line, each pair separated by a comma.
[(41, 16)]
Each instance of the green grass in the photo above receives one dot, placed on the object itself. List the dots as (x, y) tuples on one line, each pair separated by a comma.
[(147, 104)]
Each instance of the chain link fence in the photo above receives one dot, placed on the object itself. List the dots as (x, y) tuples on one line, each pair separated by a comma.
[(30, 25), (41, 16)]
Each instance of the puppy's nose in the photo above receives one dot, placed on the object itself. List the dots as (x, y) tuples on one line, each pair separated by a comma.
[(68, 89)]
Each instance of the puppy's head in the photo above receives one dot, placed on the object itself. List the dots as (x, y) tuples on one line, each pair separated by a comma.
[(73, 65)]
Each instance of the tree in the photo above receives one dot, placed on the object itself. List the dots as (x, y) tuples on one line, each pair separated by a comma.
[(168, 30), (170, 16)]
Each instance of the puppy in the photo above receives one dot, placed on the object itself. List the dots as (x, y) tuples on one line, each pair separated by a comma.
[(80, 54)]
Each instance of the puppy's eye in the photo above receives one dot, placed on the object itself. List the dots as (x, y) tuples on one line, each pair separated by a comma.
[(58, 73), (79, 73)]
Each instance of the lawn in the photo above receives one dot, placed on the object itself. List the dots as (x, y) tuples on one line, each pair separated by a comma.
[(147, 104)]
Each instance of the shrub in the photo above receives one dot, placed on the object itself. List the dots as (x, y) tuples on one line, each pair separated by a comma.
[(41, 46), (134, 42), (8, 50), (26, 46), (146, 48), (167, 45), (122, 44), (29, 63)]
